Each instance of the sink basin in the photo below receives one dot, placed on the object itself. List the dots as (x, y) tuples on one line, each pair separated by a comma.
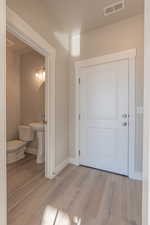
[(37, 126)]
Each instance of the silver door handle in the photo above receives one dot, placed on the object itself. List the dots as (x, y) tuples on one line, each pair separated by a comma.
[(124, 124)]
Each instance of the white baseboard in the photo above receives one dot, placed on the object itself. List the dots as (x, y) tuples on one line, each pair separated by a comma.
[(60, 167), (138, 176), (31, 150), (73, 161)]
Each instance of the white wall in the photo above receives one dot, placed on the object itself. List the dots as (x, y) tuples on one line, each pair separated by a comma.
[(117, 37)]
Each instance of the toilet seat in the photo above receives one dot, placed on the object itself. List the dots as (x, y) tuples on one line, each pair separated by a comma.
[(15, 150), (14, 145)]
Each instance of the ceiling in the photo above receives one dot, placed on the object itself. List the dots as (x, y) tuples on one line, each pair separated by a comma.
[(17, 45), (84, 15)]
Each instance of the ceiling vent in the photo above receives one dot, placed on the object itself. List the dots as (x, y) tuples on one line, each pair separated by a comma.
[(9, 43), (114, 8)]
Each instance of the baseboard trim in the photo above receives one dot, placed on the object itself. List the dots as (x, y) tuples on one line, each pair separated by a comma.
[(61, 166), (74, 161), (138, 176)]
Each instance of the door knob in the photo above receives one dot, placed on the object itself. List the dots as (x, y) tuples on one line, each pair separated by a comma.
[(124, 124)]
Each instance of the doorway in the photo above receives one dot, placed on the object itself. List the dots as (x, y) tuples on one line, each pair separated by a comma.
[(25, 105), (105, 127), (104, 117), (24, 32), (21, 30)]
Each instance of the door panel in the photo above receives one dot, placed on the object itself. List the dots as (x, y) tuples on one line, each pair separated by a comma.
[(104, 117), (101, 89)]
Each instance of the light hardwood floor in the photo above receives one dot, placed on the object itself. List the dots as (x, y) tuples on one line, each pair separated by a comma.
[(98, 198)]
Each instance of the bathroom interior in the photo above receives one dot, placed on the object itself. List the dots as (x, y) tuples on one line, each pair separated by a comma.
[(25, 108)]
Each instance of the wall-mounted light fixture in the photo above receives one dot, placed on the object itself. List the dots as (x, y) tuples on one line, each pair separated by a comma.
[(40, 74)]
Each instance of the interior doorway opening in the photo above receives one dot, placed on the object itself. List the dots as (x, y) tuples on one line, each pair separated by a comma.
[(20, 29), (25, 117), (25, 105)]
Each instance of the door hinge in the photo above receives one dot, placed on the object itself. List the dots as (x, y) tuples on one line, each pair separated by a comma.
[(79, 152), (79, 80), (79, 116)]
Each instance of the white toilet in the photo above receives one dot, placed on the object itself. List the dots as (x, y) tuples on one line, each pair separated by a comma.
[(16, 148)]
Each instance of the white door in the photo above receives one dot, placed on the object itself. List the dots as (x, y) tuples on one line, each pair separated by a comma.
[(104, 117)]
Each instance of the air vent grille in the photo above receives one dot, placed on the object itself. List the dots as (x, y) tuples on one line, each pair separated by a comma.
[(114, 8)]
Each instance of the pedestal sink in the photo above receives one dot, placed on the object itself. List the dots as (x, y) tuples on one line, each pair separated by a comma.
[(39, 129)]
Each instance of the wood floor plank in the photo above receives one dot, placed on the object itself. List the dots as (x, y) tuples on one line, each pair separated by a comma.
[(95, 197)]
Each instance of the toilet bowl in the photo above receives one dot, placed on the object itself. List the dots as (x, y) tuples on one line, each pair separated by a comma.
[(16, 148)]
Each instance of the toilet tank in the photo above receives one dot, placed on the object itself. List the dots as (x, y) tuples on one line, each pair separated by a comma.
[(25, 133)]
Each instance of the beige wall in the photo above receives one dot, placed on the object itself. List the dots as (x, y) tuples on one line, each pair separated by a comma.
[(32, 89), (25, 93), (40, 19), (121, 36), (12, 93)]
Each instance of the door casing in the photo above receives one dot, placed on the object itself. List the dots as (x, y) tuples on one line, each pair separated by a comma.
[(130, 55), (18, 27), (3, 187)]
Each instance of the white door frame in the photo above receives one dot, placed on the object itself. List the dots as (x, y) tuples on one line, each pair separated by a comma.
[(130, 55), (24, 32), (3, 188), (146, 130)]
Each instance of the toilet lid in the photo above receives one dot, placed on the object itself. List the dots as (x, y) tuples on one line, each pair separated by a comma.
[(15, 145)]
